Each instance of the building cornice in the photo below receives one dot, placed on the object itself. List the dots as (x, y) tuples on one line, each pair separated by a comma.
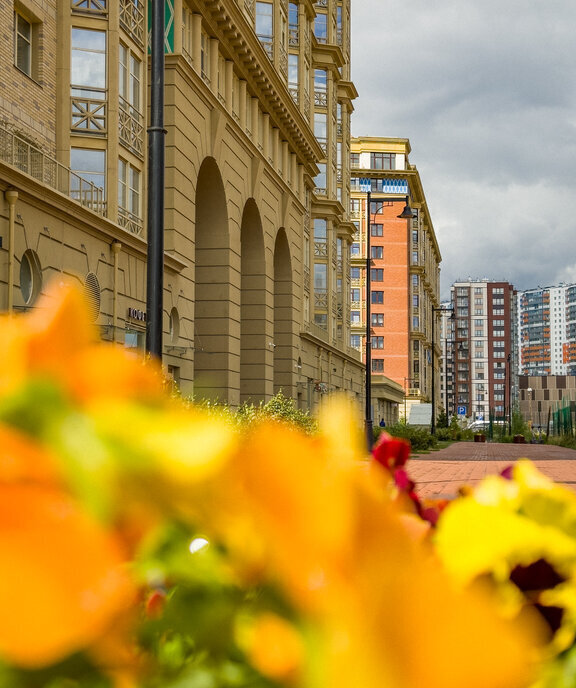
[(241, 44)]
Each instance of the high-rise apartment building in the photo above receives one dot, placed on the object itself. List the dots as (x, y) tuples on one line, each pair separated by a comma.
[(482, 345), (257, 239), (547, 330), (404, 267)]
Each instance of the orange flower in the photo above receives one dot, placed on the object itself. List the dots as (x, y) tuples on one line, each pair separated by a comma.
[(62, 580), (22, 460), (273, 646), (58, 341)]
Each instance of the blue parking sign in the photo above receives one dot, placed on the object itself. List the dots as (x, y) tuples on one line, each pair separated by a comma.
[(461, 410)]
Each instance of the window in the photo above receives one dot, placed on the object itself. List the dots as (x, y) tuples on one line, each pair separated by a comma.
[(498, 333), (415, 300), (377, 319), (293, 70), (265, 22), (320, 229), (355, 160), (89, 166), (128, 189), (382, 161), (129, 77), (321, 28), (293, 16), (320, 276), (320, 126), (376, 207), (355, 341), (378, 365), (377, 342), (135, 339), (377, 297), (354, 317), (30, 276), (321, 82), (377, 230), (205, 56), (377, 274), (320, 179), (354, 273), (377, 252), (22, 44), (88, 80), (414, 236), (88, 63), (354, 294), (355, 249)]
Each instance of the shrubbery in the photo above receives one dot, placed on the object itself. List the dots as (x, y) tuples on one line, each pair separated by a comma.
[(419, 438)]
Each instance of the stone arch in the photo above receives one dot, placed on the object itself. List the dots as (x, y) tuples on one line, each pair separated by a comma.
[(215, 354), (284, 332), (255, 309)]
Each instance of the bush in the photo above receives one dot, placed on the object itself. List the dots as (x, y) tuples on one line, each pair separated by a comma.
[(280, 408), (419, 438)]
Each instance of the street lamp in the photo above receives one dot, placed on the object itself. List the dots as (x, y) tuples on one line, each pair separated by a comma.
[(407, 213), (509, 394), (156, 134), (434, 311)]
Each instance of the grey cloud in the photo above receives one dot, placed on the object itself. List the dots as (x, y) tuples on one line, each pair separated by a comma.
[(486, 93)]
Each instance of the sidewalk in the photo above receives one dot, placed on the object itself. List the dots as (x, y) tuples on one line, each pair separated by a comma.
[(440, 473)]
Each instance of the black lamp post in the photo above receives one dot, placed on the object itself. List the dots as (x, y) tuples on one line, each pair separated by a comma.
[(434, 311), (509, 359), (156, 133), (366, 187)]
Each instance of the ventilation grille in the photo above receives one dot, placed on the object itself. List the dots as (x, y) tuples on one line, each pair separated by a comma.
[(92, 295)]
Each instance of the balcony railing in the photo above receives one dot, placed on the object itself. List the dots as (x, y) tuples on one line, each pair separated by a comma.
[(92, 6), (132, 223), (89, 114), (132, 19), (21, 154), (131, 127)]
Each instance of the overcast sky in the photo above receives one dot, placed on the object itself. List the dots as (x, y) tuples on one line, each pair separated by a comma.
[(486, 92)]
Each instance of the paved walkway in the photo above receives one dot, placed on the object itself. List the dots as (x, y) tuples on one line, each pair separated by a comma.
[(440, 473)]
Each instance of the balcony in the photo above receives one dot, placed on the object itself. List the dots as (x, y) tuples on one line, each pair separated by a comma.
[(22, 155)]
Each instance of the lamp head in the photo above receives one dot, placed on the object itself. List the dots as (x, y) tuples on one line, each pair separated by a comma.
[(407, 213)]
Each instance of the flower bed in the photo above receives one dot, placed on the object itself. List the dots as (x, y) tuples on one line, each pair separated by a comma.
[(146, 542)]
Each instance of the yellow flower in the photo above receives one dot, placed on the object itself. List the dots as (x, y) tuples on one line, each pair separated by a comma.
[(520, 534)]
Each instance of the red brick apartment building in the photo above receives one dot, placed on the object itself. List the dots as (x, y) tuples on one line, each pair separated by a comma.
[(404, 272)]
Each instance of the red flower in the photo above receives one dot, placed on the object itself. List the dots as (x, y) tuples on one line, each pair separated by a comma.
[(391, 452)]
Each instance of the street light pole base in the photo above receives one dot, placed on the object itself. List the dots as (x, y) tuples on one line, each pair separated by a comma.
[(368, 426)]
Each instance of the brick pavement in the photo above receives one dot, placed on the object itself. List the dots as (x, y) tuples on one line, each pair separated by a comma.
[(440, 473)]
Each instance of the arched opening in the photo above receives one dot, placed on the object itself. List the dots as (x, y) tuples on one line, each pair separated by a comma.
[(284, 327), (214, 359), (255, 337)]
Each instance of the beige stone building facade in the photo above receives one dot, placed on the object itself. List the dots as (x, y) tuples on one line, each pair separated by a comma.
[(258, 100), (404, 275)]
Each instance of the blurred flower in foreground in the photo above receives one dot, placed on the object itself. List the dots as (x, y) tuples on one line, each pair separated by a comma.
[(315, 575), (63, 577), (520, 533)]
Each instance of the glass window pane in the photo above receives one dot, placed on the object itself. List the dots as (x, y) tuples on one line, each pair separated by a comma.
[(88, 59)]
